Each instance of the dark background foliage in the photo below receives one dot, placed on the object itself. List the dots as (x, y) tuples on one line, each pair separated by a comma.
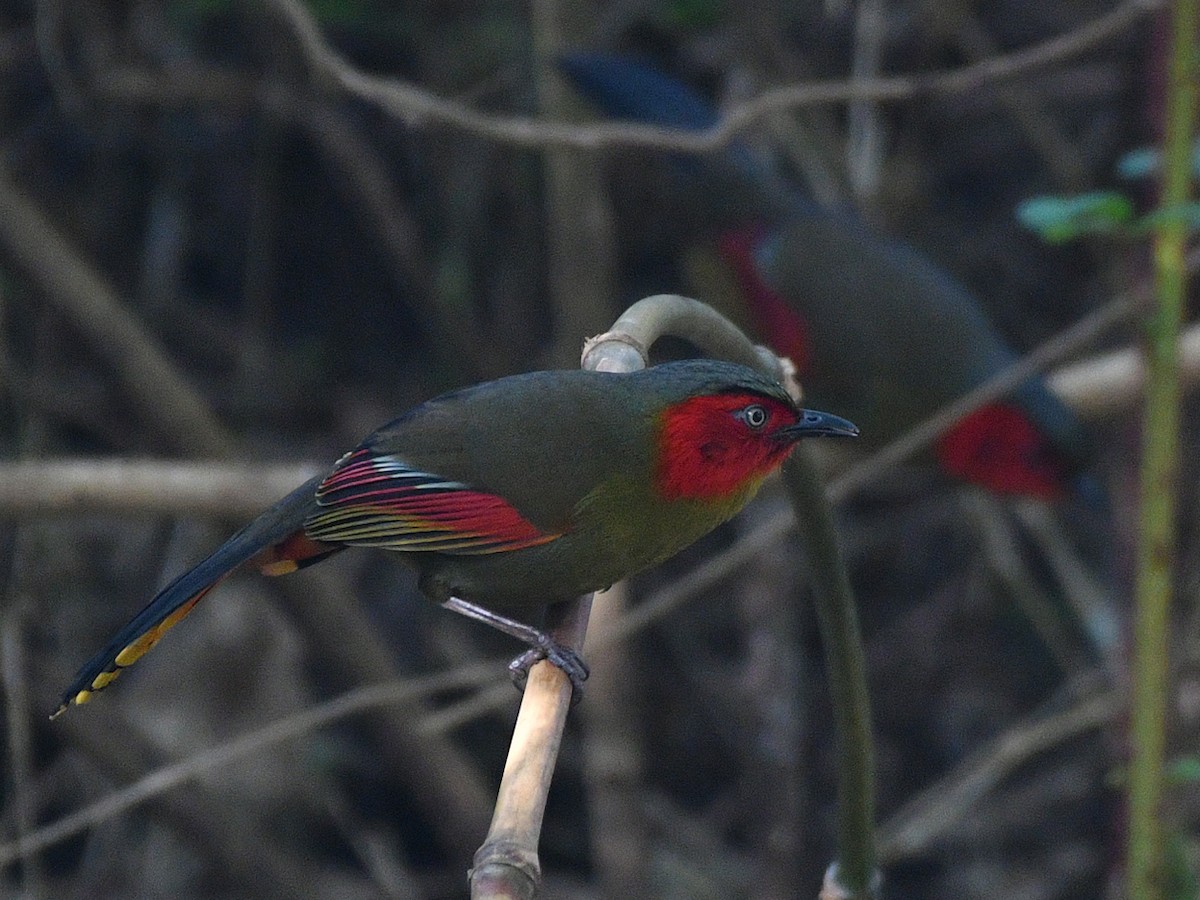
[(312, 266)]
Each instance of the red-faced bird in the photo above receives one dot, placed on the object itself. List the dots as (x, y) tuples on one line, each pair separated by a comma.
[(876, 329), (517, 493)]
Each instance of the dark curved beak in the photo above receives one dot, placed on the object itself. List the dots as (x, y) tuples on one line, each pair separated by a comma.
[(815, 424)]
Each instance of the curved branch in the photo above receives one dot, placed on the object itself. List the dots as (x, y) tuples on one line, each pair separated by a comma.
[(417, 107)]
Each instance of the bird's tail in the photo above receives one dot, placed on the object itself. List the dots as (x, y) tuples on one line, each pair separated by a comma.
[(624, 88), (275, 541)]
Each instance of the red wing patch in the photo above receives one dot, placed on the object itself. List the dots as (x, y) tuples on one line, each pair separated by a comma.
[(380, 501)]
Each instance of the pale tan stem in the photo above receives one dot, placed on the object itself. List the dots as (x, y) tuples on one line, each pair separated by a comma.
[(147, 486), (507, 863)]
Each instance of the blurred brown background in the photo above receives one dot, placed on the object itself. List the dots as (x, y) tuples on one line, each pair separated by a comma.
[(211, 250)]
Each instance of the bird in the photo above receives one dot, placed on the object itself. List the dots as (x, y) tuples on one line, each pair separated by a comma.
[(875, 328), (517, 493)]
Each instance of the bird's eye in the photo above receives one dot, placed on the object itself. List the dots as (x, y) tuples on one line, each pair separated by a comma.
[(755, 416)]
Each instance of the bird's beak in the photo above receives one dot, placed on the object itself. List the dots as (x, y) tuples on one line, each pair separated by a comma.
[(812, 424)]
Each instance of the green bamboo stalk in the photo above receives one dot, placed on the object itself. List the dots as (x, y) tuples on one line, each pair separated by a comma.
[(854, 875), (1160, 475)]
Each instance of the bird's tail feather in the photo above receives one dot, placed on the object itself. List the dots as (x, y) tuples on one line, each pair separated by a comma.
[(275, 540)]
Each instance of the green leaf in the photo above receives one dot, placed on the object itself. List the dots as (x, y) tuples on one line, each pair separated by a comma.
[(1184, 770), (1187, 213), (1061, 219), (1144, 162), (693, 14), (1140, 163)]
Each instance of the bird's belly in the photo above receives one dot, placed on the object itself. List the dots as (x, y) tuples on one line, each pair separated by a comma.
[(591, 558), (519, 582)]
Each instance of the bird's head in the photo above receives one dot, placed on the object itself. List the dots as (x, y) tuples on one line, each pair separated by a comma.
[(730, 433)]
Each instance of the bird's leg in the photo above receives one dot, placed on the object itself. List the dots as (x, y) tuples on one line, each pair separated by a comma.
[(541, 646)]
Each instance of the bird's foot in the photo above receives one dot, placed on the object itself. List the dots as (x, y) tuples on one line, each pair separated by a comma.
[(541, 646), (566, 659)]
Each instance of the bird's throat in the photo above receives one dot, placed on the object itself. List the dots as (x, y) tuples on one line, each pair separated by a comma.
[(702, 456)]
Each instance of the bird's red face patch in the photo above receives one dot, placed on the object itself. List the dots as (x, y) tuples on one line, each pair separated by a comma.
[(1000, 449), (713, 445)]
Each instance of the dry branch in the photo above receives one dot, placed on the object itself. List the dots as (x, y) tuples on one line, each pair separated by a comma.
[(123, 753), (1111, 383), (419, 108), (444, 781), (940, 807), (1096, 388), (227, 490), (108, 733)]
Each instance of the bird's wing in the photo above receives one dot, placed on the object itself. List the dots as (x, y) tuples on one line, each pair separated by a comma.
[(374, 499)]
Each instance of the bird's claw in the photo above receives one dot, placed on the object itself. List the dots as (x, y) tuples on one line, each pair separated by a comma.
[(564, 658)]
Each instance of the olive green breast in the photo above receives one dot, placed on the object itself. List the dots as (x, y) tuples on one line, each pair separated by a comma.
[(620, 528), (575, 453)]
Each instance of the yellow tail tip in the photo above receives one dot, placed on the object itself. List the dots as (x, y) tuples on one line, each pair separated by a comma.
[(78, 700), (104, 679)]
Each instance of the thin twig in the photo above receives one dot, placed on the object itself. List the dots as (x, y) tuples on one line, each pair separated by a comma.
[(1062, 155), (169, 777), (444, 781), (1111, 383), (1000, 546), (938, 809), (232, 839), (20, 736), (1063, 344), (417, 107), (581, 254), (865, 129), (229, 490)]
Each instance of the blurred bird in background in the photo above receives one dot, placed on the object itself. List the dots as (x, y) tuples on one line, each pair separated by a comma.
[(876, 329)]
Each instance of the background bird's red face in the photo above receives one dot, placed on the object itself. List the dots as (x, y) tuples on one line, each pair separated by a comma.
[(998, 447), (713, 445)]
